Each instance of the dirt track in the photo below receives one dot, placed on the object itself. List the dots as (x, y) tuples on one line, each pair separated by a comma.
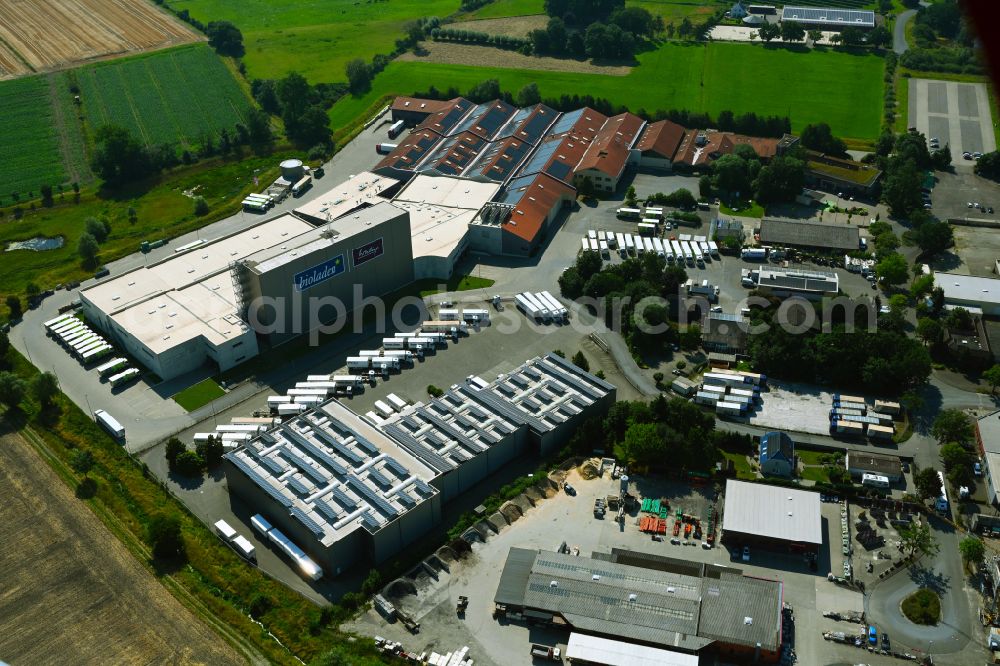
[(487, 56), (70, 593), (41, 35)]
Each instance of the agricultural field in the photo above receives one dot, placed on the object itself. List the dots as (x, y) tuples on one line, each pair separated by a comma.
[(29, 138), (173, 96), (40, 35), (80, 595), (703, 77), (502, 8), (314, 37)]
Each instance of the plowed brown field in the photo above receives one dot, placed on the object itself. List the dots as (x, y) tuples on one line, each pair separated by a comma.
[(42, 35), (71, 593)]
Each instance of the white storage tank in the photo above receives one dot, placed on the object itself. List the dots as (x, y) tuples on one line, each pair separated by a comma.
[(292, 170)]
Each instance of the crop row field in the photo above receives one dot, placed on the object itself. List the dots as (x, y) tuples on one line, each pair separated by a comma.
[(40, 35), (29, 141), (173, 96), (809, 86)]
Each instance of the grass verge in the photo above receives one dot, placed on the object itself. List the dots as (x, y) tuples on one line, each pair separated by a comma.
[(199, 394), (922, 607), (750, 209), (214, 582), (455, 283), (740, 464)]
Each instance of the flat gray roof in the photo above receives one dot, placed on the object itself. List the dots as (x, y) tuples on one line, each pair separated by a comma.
[(969, 288), (798, 280), (989, 432), (773, 512), (874, 463), (672, 604), (809, 234), (861, 18)]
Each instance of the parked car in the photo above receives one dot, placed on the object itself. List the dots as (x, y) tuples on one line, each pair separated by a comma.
[(989, 210), (570, 490), (886, 645), (978, 469), (746, 553), (967, 156), (872, 635)]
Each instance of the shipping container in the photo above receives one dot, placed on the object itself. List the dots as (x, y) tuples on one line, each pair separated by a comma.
[(257, 206), (754, 254), (555, 306), (612, 242), (396, 402), (875, 481), (718, 390), (370, 353), (224, 530), (753, 392), (451, 328), (655, 213), (393, 343), (202, 437), (595, 246), (714, 249), (730, 408), (309, 400), (252, 428), (628, 213), (648, 242), (888, 407), (585, 242), (275, 400), (475, 314), (358, 362), (265, 421), (244, 547), (401, 354), (647, 228), (346, 380), (837, 413), (290, 409), (296, 392), (396, 129), (61, 318), (848, 398), (109, 423), (881, 432), (603, 248), (640, 245), (300, 187), (658, 247), (543, 311), (112, 366), (620, 242), (707, 398), (629, 243), (847, 428), (123, 377), (384, 148), (94, 355), (859, 406), (724, 379)]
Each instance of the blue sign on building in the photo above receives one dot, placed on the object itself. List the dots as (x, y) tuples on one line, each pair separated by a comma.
[(320, 273)]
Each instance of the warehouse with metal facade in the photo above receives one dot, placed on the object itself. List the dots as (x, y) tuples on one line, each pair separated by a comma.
[(771, 517), (362, 255), (646, 599), (348, 488)]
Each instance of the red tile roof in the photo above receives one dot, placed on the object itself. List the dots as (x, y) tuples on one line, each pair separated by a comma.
[(662, 137), (540, 196), (420, 105), (718, 144), (608, 153)]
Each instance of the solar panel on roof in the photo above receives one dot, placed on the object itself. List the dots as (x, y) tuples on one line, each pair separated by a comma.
[(566, 122), (372, 497), (397, 468), (305, 467), (259, 480), (270, 463), (297, 485), (344, 500), (306, 520), (370, 522), (559, 170), (335, 444), (423, 487), (327, 510), (363, 443), (406, 500), (378, 478)]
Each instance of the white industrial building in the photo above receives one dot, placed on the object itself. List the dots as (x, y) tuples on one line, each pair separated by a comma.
[(192, 308), (789, 282), (181, 312), (772, 517), (980, 295), (348, 488)]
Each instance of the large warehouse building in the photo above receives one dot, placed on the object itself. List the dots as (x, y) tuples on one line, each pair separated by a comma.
[(364, 254), (195, 307), (980, 295), (348, 488), (646, 599), (771, 517)]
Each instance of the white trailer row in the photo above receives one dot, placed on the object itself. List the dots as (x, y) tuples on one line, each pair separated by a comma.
[(239, 543), (541, 306)]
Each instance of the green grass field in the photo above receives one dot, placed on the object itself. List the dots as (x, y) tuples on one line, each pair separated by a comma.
[(456, 283), (504, 8), (172, 96), (314, 37), (839, 88), (199, 395), (29, 138)]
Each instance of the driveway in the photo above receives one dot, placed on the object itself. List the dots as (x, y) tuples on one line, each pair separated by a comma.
[(899, 44)]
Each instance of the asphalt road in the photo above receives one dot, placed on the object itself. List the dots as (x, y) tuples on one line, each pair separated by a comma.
[(899, 44)]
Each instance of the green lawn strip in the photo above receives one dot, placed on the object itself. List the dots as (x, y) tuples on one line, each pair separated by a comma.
[(29, 142), (455, 283), (740, 464), (505, 8), (753, 210), (817, 474), (199, 394), (703, 77), (127, 497)]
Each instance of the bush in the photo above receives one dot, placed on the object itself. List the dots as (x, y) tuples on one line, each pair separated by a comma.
[(922, 607), (164, 536), (200, 206), (658, 376), (188, 463), (434, 391)]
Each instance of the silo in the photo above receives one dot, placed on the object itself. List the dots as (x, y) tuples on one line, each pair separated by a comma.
[(291, 170)]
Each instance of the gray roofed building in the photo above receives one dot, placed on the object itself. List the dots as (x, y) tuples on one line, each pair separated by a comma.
[(771, 515), (971, 292), (860, 462), (831, 18), (988, 442), (725, 332), (797, 233), (646, 599), (810, 284)]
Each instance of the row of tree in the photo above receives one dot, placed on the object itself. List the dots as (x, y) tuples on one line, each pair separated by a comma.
[(302, 107), (484, 38), (618, 38)]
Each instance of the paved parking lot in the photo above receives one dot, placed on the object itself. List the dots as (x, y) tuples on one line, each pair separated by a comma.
[(957, 114), (794, 408), (570, 519)]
